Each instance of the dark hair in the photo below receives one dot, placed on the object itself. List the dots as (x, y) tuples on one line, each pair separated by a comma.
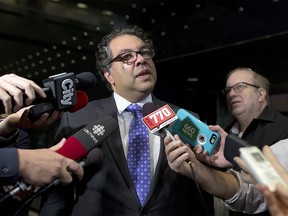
[(104, 54)]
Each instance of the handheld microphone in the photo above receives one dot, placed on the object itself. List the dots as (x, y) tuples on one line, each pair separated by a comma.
[(35, 112), (157, 120), (61, 90), (85, 139), (78, 145), (85, 80)]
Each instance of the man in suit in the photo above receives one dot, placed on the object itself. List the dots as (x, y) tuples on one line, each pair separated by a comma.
[(124, 60)]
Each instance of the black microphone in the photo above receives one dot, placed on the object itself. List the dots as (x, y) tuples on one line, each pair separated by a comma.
[(85, 80), (61, 91), (35, 112), (62, 94)]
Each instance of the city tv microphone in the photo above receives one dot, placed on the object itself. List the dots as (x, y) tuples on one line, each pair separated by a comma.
[(158, 119), (79, 144), (60, 90), (35, 112)]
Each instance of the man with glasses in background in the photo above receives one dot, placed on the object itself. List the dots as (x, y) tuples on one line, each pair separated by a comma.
[(125, 64), (247, 96)]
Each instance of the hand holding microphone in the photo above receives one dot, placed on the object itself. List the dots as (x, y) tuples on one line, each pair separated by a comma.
[(44, 167), (63, 94), (12, 88)]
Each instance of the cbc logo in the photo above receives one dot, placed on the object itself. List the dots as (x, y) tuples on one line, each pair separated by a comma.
[(98, 130)]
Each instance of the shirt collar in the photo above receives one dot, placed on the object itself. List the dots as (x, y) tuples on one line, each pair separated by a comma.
[(122, 103)]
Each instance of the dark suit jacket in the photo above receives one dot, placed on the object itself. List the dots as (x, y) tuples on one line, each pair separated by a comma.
[(109, 189)]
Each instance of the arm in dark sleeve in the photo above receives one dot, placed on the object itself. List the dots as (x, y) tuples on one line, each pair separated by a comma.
[(9, 166)]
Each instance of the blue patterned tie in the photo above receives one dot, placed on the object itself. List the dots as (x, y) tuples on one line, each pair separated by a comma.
[(138, 157)]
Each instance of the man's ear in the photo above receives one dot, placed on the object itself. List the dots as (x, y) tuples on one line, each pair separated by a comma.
[(109, 77), (262, 94)]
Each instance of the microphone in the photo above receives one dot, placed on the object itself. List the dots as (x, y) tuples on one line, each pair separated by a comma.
[(35, 112), (85, 80), (60, 89), (94, 157), (79, 144), (158, 120)]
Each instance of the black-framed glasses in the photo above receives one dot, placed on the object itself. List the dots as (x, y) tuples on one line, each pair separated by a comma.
[(130, 56), (238, 87)]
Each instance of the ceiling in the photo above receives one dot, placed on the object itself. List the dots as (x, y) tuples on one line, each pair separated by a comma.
[(197, 42)]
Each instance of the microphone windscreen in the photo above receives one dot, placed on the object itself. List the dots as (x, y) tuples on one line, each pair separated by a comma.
[(82, 101), (95, 156), (148, 108), (86, 80), (87, 138)]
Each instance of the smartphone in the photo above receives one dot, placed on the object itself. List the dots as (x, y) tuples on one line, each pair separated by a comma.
[(194, 132)]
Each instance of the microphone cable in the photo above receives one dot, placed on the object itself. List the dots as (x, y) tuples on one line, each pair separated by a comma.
[(193, 175), (94, 157), (198, 187), (39, 192)]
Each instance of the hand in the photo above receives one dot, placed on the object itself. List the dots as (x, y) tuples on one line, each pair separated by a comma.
[(277, 201), (42, 166), (268, 153), (217, 158), (247, 177), (12, 88), (245, 174), (20, 120), (178, 154)]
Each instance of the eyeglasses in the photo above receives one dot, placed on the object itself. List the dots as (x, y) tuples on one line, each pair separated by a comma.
[(130, 56), (238, 87)]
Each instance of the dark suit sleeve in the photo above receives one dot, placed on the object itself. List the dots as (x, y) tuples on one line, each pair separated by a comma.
[(59, 200), (9, 164), (9, 161)]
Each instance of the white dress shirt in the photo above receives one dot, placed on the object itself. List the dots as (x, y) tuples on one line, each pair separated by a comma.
[(124, 119)]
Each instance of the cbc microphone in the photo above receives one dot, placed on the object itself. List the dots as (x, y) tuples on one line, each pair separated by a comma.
[(94, 157), (79, 144)]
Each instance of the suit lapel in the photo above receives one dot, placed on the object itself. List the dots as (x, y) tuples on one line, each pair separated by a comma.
[(115, 146)]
